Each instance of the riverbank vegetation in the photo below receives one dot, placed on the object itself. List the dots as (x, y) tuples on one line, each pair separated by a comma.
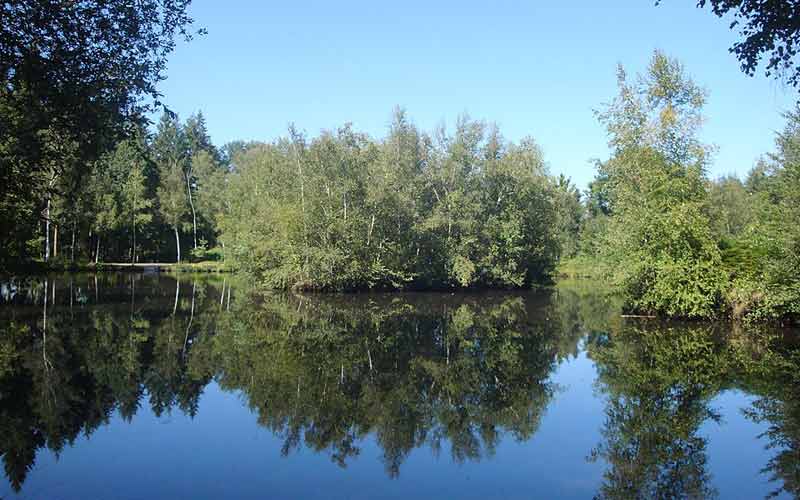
[(341, 211), (673, 241), (446, 209)]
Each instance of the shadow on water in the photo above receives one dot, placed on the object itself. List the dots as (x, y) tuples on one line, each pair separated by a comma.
[(453, 373)]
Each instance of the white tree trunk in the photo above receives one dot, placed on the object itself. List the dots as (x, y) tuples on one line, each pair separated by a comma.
[(133, 250), (191, 205), (178, 243), (47, 230), (72, 245)]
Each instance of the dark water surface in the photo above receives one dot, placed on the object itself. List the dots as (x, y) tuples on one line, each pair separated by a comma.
[(141, 387)]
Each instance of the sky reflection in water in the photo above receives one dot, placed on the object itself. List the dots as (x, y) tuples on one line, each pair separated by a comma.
[(126, 386)]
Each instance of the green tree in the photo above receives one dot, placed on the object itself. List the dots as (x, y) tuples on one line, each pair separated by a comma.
[(172, 204), (730, 207), (196, 140), (170, 154), (210, 184), (659, 241), (136, 204), (73, 77), (105, 214), (343, 211), (570, 212), (768, 254)]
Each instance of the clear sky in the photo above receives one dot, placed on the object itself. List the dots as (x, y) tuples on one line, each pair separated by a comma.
[(536, 68)]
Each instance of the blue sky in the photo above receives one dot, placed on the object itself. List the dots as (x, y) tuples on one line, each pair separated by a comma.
[(536, 68)]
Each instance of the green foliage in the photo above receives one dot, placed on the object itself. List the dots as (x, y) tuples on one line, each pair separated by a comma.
[(657, 240), (570, 213), (673, 242), (135, 200), (730, 207), (768, 284), (346, 212), (74, 78)]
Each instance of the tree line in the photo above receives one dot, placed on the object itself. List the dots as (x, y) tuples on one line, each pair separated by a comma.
[(138, 198), (460, 208), (341, 211), (673, 241), (85, 180), (75, 79), (344, 211)]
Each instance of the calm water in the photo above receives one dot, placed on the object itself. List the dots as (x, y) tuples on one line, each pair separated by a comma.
[(124, 386)]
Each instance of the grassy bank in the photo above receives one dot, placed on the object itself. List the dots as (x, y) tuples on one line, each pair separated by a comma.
[(39, 267), (578, 268)]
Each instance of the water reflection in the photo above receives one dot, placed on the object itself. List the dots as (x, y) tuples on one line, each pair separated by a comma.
[(455, 374), (659, 382), (433, 370)]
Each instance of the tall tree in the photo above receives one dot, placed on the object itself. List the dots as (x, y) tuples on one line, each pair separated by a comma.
[(136, 204), (74, 74), (659, 241), (570, 211), (172, 204), (210, 183), (170, 154), (197, 141)]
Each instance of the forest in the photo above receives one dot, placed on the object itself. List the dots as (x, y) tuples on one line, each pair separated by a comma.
[(88, 179), (451, 209)]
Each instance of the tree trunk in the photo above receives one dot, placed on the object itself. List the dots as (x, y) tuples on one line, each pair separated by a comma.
[(191, 205), (47, 230), (97, 250), (72, 245), (55, 240), (133, 250), (369, 233), (178, 244)]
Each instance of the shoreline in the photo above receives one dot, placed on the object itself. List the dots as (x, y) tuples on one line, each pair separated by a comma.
[(139, 267)]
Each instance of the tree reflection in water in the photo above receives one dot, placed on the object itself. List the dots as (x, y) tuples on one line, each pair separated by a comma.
[(659, 382), (322, 372), (447, 372)]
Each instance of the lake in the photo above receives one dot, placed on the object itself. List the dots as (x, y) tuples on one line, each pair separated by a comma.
[(143, 386)]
